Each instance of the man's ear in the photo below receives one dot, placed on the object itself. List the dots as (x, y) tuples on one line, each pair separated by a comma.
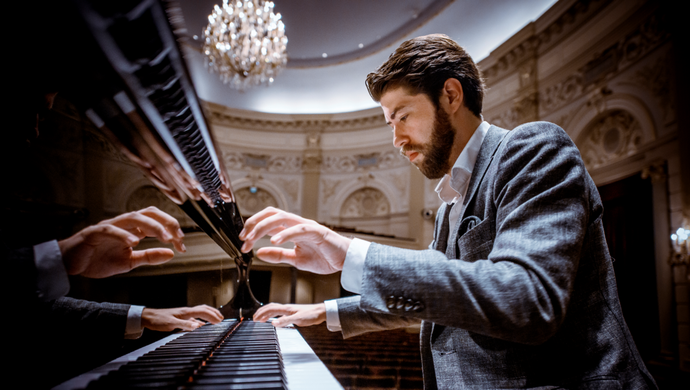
[(452, 95)]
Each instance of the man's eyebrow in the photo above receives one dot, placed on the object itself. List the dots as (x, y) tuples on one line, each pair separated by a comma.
[(395, 111)]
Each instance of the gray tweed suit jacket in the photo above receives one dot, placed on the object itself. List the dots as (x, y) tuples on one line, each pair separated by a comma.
[(523, 295)]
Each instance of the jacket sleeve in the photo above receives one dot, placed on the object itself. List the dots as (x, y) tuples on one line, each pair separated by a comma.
[(355, 321), (516, 270), (90, 320)]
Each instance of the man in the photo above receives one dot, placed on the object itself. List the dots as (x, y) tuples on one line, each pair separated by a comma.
[(517, 289)]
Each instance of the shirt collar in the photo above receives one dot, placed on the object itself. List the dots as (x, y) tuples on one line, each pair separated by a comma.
[(452, 187)]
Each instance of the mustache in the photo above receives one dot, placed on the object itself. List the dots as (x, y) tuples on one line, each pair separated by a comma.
[(412, 148)]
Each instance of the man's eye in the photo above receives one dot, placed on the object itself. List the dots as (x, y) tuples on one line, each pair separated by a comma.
[(402, 119)]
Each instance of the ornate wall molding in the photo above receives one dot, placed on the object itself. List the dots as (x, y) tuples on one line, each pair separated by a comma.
[(251, 200), (371, 161), (277, 191), (365, 202), (656, 171), (297, 123), (269, 163), (615, 59), (656, 79), (616, 134), (579, 13)]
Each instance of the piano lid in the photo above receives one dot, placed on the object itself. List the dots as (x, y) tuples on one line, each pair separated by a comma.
[(134, 85)]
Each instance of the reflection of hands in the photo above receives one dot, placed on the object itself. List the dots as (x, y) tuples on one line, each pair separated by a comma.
[(105, 249), (300, 315), (317, 248), (185, 318)]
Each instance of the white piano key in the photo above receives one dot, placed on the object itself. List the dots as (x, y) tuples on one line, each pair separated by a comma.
[(303, 369)]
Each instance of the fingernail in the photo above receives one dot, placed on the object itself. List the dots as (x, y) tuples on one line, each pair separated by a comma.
[(184, 248), (180, 233)]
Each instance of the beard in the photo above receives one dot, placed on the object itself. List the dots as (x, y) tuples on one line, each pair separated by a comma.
[(436, 152)]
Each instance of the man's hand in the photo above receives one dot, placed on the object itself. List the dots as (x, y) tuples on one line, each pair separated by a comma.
[(317, 248), (185, 318), (105, 249), (300, 315)]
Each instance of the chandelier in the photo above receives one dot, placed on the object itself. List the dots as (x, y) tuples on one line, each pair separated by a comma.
[(245, 43)]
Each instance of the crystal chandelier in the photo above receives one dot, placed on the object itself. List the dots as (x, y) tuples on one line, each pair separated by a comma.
[(245, 43)]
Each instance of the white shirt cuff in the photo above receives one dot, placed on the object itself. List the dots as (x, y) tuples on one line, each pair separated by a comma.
[(133, 329), (52, 281), (332, 317), (353, 267)]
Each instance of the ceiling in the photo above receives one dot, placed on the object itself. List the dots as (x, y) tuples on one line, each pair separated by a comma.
[(357, 36)]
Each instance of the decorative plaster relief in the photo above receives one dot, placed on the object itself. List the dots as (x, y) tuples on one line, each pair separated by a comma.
[(290, 187), (251, 200), (365, 202), (328, 189), (562, 93), (352, 163), (617, 57), (655, 78), (617, 134), (272, 163), (217, 117)]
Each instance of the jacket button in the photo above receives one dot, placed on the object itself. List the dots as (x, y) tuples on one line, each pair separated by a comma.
[(390, 302), (418, 306), (409, 304), (400, 303)]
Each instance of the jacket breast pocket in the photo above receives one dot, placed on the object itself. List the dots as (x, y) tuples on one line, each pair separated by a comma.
[(475, 239)]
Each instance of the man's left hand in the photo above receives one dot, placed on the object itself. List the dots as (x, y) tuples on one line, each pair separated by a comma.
[(184, 318)]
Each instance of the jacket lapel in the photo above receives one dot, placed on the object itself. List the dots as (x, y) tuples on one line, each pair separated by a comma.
[(492, 140)]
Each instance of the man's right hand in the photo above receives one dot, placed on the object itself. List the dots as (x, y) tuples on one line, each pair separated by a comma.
[(106, 249), (317, 248), (300, 315)]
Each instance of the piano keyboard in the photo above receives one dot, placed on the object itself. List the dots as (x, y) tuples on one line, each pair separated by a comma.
[(230, 355)]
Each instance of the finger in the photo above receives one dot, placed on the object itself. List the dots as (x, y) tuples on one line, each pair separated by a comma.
[(95, 233), (268, 225), (188, 325), (251, 222), (170, 223), (206, 313), (299, 232), (271, 310), (277, 255), (151, 256), (165, 219), (150, 227), (282, 321)]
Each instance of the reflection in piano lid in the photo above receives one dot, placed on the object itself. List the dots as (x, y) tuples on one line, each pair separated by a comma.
[(134, 85)]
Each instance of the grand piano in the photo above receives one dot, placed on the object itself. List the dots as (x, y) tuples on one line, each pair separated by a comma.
[(134, 86)]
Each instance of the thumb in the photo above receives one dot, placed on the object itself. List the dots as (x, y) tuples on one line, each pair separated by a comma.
[(283, 321), (188, 325)]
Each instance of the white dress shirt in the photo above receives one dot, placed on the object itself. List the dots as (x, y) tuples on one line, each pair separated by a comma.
[(452, 189)]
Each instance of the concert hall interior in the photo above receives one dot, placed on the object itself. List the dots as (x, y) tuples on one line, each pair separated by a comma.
[(609, 72)]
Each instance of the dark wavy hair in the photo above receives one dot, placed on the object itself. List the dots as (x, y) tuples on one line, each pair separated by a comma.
[(423, 64)]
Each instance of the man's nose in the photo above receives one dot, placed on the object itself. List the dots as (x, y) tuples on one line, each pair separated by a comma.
[(399, 137)]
